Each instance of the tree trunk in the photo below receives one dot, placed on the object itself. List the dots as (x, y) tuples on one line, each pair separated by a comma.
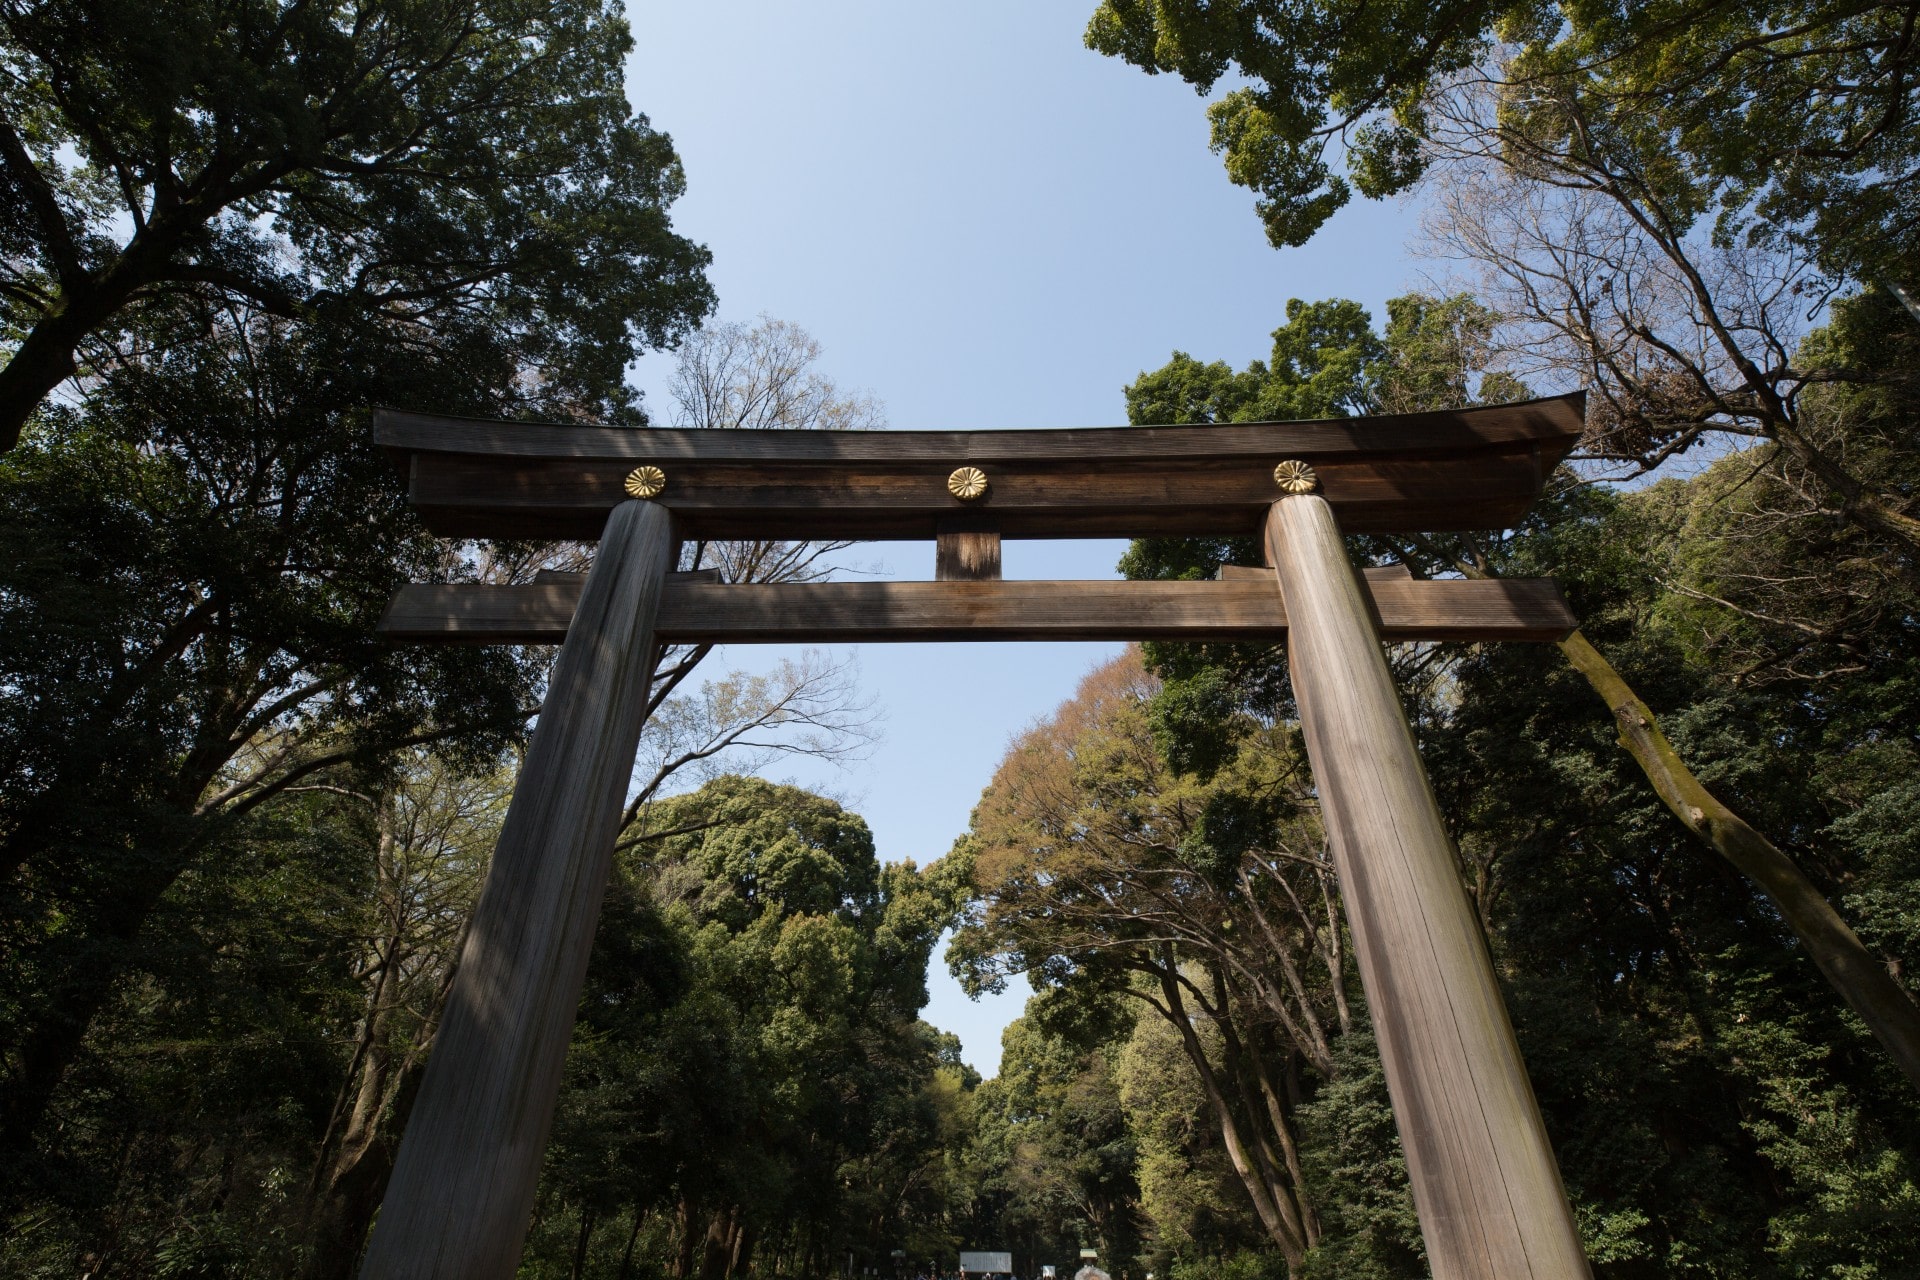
[(1862, 980), (580, 1244), (1277, 1213), (45, 357), (54, 1032), (742, 1259), (40, 363), (718, 1251), (683, 1260), (626, 1254)]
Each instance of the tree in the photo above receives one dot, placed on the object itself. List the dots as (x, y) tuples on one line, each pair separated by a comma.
[(1714, 1114), (1107, 876), (1669, 1016), (189, 632), (1660, 199), (1187, 1185), (1793, 116), (749, 1063), (1429, 359), (235, 1104), (433, 830), (1050, 1158), (281, 434), (290, 215), (420, 167), (1684, 338), (730, 376), (735, 377)]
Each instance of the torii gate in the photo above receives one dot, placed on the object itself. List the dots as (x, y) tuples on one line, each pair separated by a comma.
[(1489, 1195)]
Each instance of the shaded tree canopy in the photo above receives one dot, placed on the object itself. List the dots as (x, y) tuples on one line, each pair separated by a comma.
[(1669, 1013), (241, 226), (424, 165)]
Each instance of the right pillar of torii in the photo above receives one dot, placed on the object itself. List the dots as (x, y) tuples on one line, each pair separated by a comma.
[(1489, 1195)]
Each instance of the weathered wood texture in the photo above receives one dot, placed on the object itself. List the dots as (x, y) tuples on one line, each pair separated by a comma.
[(1459, 469), (966, 555), (1485, 1184), (1370, 574), (1234, 609), (462, 1189)]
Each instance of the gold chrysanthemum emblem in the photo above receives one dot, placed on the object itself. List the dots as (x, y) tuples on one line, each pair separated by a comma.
[(967, 483), (1295, 477), (646, 482)]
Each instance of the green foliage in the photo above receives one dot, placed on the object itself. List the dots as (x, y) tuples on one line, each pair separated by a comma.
[(1189, 1195), (1327, 362), (1786, 117), (1248, 1264), (186, 629), (1716, 1110), (748, 1054), (1315, 371), (240, 839), (1193, 722), (241, 227), (1049, 1163), (209, 1089), (425, 166), (1313, 68), (1359, 1173)]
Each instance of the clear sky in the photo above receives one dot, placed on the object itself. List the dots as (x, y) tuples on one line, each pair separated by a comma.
[(985, 225)]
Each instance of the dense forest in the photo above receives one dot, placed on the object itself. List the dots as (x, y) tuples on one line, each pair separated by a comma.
[(240, 839)]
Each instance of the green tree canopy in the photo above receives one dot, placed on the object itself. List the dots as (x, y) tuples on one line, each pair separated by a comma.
[(422, 165), (186, 631), (1795, 112), (749, 1051)]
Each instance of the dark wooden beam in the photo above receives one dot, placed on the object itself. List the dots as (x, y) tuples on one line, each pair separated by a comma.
[(844, 612), (1460, 469)]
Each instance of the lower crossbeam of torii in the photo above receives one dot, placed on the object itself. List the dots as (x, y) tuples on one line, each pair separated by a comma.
[(1488, 1192)]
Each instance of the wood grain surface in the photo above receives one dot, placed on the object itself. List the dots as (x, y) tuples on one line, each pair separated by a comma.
[(1461, 469), (462, 1189), (1434, 432), (1235, 609), (1488, 1192), (966, 555)]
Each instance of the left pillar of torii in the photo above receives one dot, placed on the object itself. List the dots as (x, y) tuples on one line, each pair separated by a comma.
[(462, 1190)]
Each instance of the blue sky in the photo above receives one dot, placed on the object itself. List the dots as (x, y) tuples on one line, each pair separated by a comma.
[(986, 225)]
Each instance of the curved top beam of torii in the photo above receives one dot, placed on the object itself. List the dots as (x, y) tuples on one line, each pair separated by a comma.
[(1420, 472)]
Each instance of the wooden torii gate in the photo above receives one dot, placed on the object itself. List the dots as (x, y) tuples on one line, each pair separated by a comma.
[(1485, 1184)]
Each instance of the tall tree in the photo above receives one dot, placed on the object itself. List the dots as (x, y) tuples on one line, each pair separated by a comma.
[(1792, 114), (422, 165), (1051, 1160), (1432, 356), (1661, 196), (1110, 877), (189, 631), (751, 1022)]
